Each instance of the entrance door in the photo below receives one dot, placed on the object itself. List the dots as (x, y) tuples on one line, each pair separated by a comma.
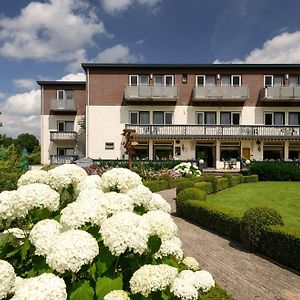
[(207, 153), (246, 153)]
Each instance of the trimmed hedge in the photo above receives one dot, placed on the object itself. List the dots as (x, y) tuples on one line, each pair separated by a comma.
[(222, 184), (282, 244), (223, 221), (216, 293), (191, 193), (254, 221), (156, 185), (187, 183), (251, 179), (198, 178), (204, 186), (275, 171), (213, 180)]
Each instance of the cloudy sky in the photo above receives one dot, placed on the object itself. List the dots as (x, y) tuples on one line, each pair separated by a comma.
[(49, 39)]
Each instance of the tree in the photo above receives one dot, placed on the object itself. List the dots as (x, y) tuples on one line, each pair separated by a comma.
[(6, 141), (27, 141)]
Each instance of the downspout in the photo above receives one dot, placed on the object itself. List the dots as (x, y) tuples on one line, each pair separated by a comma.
[(42, 125), (87, 113)]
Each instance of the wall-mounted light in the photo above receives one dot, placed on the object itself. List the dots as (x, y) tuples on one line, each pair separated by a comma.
[(218, 76), (184, 78), (151, 76), (286, 76)]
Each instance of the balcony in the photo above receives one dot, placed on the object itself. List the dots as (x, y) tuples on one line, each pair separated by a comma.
[(223, 93), (63, 105), (151, 92), (63, 136), (62, 159), (214, 131), (281, 93)]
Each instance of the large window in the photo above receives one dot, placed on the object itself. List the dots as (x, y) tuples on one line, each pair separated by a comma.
[(206, 118), (205, 80), (229, 118), (294, 118), (65, 151), (274, 118), (135, 80), (294, 80), (65, 126), (65, 94), (164, 80), (273, 80), (140, 117), (162, 117), (231, 80)]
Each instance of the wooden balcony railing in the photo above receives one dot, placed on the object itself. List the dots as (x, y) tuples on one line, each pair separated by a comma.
[(231, 93), (62, 159), (63, 136), (63, 104), (281, 93), (152, 92), (200, 131)]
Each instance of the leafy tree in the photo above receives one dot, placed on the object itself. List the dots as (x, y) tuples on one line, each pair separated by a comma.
[(6, 141), (27, 141)]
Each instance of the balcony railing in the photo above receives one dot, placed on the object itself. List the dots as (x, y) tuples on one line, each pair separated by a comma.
[(281, 93), (63, 136), (63, 104), (231, 93), (62, 159), (208, 131), (152, 92)]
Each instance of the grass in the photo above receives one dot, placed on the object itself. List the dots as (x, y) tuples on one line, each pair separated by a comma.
[(282, 196)]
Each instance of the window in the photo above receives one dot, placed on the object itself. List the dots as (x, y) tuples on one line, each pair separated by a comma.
[(161, 117), (169, 80), (139, 117), (236, 80), (65, 126), (205, 80), (166, 80), (294, 80), (273, 80), (133, 80), (144, 80), (159, 80), (65, 94), (206, 118), (294, 118), (109, 146), (274, 118), (65, 151), (200, 80), (229, 118), (225, 80)]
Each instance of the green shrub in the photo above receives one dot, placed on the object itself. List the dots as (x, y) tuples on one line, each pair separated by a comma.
[(221, 220), (166, 177), (187, 183), (275, 171), (198, 178), (222, 184), (282, 244), (156, 185), (251, 179), (254, 221), (191, 193), (214, 182), (205, 186), (230, 179), (238, 178), (216, 293)]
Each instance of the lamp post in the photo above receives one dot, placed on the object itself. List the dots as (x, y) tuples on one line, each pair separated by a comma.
[(129, 144)]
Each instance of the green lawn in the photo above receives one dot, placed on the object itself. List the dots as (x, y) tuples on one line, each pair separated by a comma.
[(282, 196)]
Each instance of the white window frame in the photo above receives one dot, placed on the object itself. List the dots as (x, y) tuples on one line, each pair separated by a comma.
[(64, 122), (137, 119), (198, 113), (130, 80), (272, 84), (138, 116), (273, 117), (164, 116), (204, 80), (240, 80), (63, 93), (225, 75), (165, 80), (231, 116)]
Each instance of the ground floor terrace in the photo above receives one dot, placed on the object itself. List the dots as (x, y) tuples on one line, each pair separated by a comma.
[(218, 146)]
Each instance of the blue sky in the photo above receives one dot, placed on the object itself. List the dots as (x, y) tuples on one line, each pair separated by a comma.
[(49, 39)]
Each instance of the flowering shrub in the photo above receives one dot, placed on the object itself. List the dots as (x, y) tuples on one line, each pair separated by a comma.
[(67, 235), (186, 168)]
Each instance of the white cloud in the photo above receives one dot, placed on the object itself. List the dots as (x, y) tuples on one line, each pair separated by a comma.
[(24, 83), (283, 48), (57, 30), (116, 54), (2, 95), (21, 112), (114, 6)]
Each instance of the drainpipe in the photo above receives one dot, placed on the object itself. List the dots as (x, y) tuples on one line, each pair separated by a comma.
[(42, 125), (87, 114)]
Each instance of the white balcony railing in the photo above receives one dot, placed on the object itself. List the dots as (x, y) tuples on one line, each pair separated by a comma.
[(281, 93), (63, 136), (151, 92), (63, 104), (200, 131), (221, 93), (62, 159)]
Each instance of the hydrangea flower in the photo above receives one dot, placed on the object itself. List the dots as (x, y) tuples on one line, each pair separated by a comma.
[(7, 279), (89, 182), (43, 234), (204, 280), (117, 295), (115, 202), (170, 247), (71, 250), (140, 195), (186, 168), (8, 203), (191, 263), (58, 181), (44, 287), (152, 278), (125, 230), (161, 224), (120, 179), (33, 176), (157, 202)]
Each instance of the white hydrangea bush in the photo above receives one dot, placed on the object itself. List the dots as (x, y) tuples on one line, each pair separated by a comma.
[(187, 168), (67, 235)]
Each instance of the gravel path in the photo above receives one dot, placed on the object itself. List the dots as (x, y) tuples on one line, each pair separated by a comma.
[(244, 275)]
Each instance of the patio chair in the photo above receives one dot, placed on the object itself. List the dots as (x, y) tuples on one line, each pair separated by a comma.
[(233, 163)]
